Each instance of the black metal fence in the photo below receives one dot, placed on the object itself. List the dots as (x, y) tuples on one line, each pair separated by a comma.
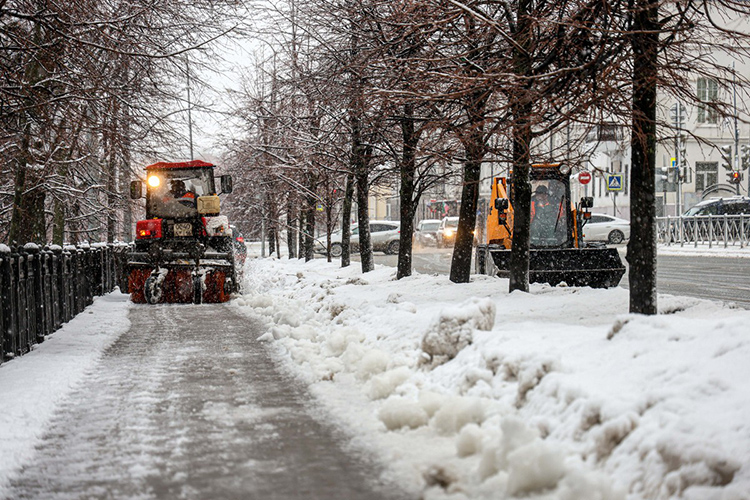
[(42, 288)]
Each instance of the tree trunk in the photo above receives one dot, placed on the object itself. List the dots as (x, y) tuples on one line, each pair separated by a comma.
[(58, 223), (329, 225), (28, 223), (359, 165), (519, 256), (346, 218), (521, 108), (271, 236), (291, 241), (475, 147), (363, 220), (127, 204), (301, 232), (406, 192), (467, 217), (310, 231), (16, 234), (641, 254), (112, 198)]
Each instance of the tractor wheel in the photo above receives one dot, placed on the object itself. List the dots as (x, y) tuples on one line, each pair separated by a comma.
[(616, 237), (197, 289), (179, 287), (152, 290)]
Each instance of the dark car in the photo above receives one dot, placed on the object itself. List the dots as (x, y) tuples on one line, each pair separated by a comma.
[(732, 205)]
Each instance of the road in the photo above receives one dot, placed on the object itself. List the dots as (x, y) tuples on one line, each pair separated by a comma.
[(187, 404), (717, 278)]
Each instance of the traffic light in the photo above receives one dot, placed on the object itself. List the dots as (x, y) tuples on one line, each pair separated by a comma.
[(744, 156), (726, 156), (662, 178), (734, 177), (677, 115)]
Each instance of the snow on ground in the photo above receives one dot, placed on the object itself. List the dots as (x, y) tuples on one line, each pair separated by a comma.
[(32, 386), (467, 391), (703, 249)]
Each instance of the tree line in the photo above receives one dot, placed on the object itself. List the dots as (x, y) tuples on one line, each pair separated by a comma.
[(348, 95), (89, 91)]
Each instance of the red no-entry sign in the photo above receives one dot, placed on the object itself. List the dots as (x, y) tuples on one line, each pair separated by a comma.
[(584, 177)]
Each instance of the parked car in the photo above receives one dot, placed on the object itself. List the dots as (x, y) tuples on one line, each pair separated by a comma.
[(732, 205), (603, 227), (426, 232), (446, 233), (384, 236)]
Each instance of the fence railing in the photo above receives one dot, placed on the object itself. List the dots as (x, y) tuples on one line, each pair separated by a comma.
[(720, 230), (42, 288)]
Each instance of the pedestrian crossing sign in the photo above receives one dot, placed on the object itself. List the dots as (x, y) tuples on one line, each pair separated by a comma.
[(614, 182)]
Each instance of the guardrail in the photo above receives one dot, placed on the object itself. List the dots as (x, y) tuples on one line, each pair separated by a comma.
[(42, 288), (723, 230)]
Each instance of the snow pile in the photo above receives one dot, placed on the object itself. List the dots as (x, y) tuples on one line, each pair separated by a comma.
[(32, 387), (467, 391), (453, 329)]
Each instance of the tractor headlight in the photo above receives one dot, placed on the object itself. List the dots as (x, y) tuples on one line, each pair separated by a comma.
[(154, 181)]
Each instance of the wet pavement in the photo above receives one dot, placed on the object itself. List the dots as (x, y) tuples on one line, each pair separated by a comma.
[(716, 277), (187, 404)]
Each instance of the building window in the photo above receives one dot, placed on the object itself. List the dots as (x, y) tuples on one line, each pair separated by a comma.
[(706, 174), (708, 92)]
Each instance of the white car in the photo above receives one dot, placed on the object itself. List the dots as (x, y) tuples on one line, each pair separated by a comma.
[(446, 233), (425, 233), (384, 235), (603, 227)]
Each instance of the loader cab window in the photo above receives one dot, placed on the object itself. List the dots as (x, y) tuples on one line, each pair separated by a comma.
[(173, 193), (549, 222)]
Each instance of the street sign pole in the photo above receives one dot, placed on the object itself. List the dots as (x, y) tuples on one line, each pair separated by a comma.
[(614, 204), (677, 122)]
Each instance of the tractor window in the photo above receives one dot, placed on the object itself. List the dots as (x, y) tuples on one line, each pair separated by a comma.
[(175, 192), (549, 220)]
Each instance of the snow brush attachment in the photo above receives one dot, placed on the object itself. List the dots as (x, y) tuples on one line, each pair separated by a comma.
[(178, 285)]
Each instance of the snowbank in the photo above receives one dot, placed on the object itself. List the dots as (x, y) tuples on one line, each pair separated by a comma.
[(732, 250), (32, 387), (467, 391)]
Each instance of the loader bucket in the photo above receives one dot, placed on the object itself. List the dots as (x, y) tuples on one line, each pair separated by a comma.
[(594, 267)]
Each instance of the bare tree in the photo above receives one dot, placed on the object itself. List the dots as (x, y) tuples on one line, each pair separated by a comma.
[(86, 87)]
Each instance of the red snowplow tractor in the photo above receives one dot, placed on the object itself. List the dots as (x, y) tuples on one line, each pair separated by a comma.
[(184, 248)]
